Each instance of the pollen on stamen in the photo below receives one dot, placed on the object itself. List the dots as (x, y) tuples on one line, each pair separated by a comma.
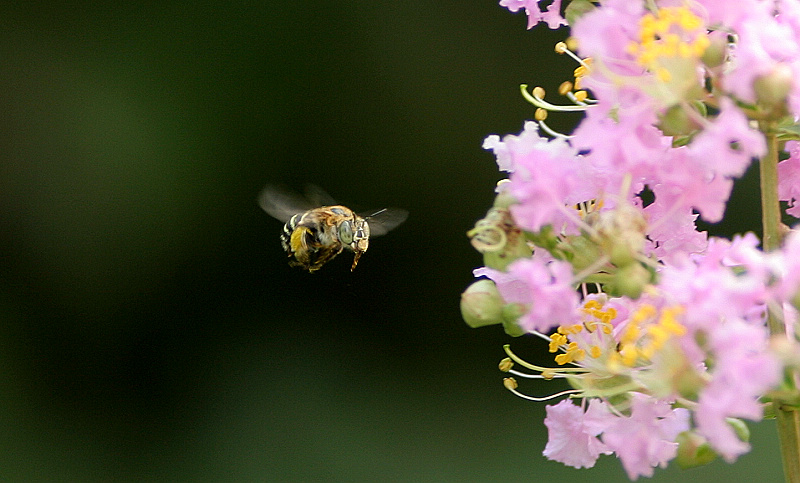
[(573, 353), (673, 32), (510, 383), (556, 341)]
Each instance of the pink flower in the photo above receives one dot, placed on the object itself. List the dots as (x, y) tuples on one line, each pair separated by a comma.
[(614, 149), (730, 13), (547, 177), (712, 149), (743, 371), (514, 146), (785, 266), (709, 290), (680, 181), (789, 178), (646, 439), (605, 33), (672, 233), (551, 15), (572, 434), (764, 42), (545, 288)]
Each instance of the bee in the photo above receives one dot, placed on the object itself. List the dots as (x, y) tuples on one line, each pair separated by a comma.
[(314, 235)]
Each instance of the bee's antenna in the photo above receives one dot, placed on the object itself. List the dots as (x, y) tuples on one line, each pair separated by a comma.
[(376, 213)]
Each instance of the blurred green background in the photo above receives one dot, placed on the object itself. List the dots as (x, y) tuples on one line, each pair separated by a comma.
[(151, 328)]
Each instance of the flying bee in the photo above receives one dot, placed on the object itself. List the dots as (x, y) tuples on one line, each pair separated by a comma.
[(314, 235)]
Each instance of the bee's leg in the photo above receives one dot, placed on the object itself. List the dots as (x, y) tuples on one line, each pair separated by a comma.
[(355, 260)]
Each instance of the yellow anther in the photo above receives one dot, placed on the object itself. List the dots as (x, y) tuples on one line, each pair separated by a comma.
[(572, 44), (548, 374), (540, 114), (629, 355), (643, 313), (556, 341), (561, 47), (565, 88), (573, 353), (538, 92), (510, 383), (595, 351), (580, 96), (592, 304)]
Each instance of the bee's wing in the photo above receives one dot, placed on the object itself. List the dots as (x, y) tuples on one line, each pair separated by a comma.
[(318, 197), (282, 203), (384, 220)]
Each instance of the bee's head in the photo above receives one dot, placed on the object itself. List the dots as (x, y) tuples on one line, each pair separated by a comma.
[(355, 234)]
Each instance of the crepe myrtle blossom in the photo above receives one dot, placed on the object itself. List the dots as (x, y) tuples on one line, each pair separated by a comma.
[(669, 339), (789, 179), (550, 15)]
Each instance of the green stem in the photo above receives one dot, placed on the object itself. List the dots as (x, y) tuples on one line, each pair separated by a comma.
[(788, 421), (770, 207)]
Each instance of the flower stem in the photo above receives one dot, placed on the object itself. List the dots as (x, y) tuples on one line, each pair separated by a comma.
[(770, 207), (788, 420)]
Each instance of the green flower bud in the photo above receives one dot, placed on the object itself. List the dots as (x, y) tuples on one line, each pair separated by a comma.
[(629, 281), (717, 51), (511, 314), (772, 89), (577, 9), (693, 450), (481, 304), (503, 199), (677, 122), (740, 428), (499, 239), (621, 234)]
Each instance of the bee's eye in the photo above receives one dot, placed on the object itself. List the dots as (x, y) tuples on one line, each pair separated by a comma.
[(346, 232)]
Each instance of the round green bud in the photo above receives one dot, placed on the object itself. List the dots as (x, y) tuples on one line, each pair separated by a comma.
[(481, 304), (773, 88), (630, 280), (717, 51), (511, 314)]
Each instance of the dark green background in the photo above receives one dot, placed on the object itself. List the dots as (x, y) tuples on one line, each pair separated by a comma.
[(151, 328)]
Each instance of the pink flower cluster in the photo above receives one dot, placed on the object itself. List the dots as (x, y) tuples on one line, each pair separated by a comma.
[(689, 348)]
